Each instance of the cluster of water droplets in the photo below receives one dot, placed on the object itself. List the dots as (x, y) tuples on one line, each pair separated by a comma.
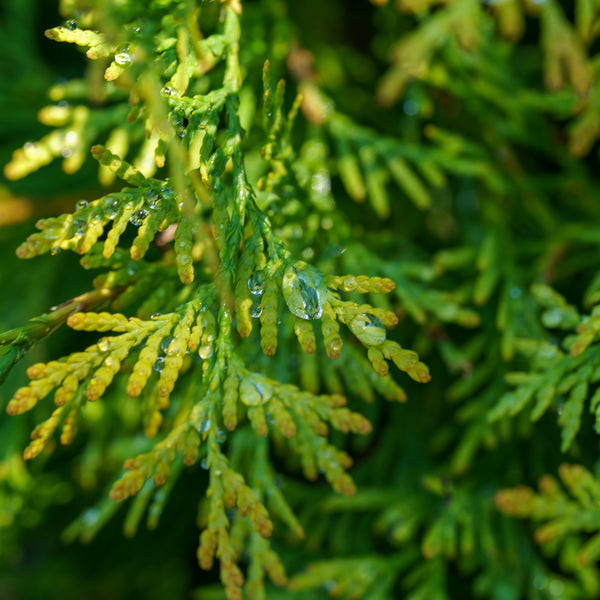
[(304, 290), (256, 286)]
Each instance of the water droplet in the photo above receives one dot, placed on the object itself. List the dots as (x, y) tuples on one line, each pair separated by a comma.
[(515, 293), (78, 226), (304, 290), (410, 108), (123, 57), (137, 218), (111, 207), (368, 329), (205, 351), (256, 310), (308, 253), (81, 205), (153, 201), (253, 393), (256, 282), (205, 463), (168, 91), (90, 517), (159, 364), (103, 344), (164, 345), (71, 25), (204, 425), (55, 250), (552, 318), (154, 316)]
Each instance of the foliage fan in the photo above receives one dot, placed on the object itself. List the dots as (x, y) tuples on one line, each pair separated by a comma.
[(249, 249)]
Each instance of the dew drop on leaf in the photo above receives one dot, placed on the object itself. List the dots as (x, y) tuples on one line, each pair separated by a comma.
[(123, 56), (304, 290), (166, 342), (137, 218), (78, 226), (256, 282), (368, 329), (255, 310), (111, 207), (252, 393), (81, 204), (159, 364)]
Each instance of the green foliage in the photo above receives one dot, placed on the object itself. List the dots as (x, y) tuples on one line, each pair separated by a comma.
[(299, 179)]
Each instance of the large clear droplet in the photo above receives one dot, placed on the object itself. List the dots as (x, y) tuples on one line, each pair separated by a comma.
[(304, 290), (368, 329)]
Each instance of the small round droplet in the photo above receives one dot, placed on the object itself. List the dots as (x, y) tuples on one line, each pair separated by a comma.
[(159, 363), (103, 344), (253, 393), (304, 290), (90, 517), (368, 329), (111, 207), (137, 218), (256, 310), (256, 283), (123, 57), (71, 24), (308, 253), (81, 204), (168, 91)]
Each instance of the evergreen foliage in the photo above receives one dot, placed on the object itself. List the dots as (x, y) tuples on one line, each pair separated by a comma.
[(292, 202)]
